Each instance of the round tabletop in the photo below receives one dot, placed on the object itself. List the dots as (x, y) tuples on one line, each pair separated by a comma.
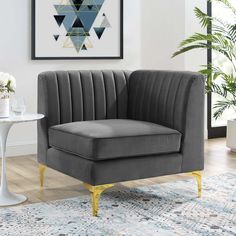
[(21, 118)]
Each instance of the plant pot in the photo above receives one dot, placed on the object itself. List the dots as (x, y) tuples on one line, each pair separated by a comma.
[(4, 107), (231, 135)]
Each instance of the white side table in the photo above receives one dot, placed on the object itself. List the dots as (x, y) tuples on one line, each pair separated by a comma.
[(6, 197)]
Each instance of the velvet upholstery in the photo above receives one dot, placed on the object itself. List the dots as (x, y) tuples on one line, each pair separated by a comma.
[(71, 96), (117, 138), (114, 170), (174, 100)]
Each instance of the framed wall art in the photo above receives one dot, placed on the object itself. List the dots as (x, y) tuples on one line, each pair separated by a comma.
[(77, 29)]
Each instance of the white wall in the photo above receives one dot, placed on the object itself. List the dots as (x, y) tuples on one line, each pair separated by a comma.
[(152, 31), (163, 28), (15, 44), (196, 58), (164, 25)]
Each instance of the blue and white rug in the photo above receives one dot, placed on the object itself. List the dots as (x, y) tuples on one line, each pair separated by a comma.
[(165, 209)]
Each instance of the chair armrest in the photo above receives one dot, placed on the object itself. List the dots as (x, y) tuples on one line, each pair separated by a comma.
[(174, 99), (42, 125), (193, 139)]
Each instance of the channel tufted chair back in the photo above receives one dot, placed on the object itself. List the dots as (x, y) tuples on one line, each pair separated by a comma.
[(83, 95), (158, 98), (175, 100), (69, 96)]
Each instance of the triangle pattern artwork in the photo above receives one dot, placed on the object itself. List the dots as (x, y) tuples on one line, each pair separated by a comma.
[(59, 19), (84, 47), (56, 36), (77, 23), (78, 18), (105, 23), (99, 31), (77, 4)]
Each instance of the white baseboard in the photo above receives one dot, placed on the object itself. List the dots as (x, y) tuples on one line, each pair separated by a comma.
[(21, 148)]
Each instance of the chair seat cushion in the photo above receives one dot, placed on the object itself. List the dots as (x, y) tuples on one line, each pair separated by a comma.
[(107, 139)]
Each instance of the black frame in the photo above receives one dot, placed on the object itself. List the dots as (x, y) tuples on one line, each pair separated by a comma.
[(33, 39), (213, 132)]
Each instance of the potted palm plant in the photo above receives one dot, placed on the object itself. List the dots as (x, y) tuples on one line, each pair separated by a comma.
[(222, 41)]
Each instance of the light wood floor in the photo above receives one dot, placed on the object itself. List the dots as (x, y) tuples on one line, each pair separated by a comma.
[(23, 175)]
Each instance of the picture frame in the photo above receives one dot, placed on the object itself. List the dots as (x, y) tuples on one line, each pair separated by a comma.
[(75, 30)]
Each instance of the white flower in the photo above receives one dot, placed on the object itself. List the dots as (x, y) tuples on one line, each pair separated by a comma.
[(7, 83), (2, 84), (12, 82), (4, 77)]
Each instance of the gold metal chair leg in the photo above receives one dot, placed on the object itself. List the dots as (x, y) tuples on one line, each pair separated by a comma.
[(96, 192), (42, 169), (198, 176)]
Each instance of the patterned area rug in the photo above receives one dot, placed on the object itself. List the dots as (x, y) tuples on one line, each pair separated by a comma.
[(165, 209)]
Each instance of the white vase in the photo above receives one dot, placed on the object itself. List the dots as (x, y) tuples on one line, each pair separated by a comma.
[(231, 135), (4, 107)]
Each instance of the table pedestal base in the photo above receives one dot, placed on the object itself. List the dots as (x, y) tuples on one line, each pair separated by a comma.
[(6, 197), (9, 199)]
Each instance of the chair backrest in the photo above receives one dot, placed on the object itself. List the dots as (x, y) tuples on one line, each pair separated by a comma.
[(162, 97), (176, 100), (173, 99), (67, 96)]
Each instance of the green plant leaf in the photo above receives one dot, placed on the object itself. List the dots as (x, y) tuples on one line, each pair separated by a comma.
[(205, 20), (222, 40)]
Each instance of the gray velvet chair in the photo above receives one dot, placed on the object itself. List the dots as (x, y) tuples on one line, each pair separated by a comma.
[(104, 127)]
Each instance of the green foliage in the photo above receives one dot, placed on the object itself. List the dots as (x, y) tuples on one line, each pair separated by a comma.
[(9, 87), (222, 40)]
